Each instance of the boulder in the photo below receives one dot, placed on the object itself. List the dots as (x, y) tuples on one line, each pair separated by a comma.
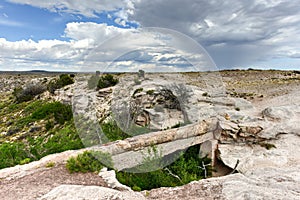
[(109, 176)]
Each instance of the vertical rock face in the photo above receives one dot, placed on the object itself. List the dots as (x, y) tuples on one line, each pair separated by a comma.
[(156, 108)]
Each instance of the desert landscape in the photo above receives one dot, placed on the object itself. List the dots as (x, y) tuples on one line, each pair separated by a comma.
[(238, 128)]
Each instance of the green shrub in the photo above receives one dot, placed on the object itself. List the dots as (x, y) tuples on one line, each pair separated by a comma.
[(136, 188), (107, 80), (28, 93), (61, 112), (187, 168), (64, 79), (150, 92), (50, 164), (32, 106), (25, 161), (12, 154), (266, 145), (112, 131), (141, 73), (88, 161)]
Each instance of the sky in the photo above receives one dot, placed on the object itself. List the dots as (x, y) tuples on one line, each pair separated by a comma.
[(114, 35)]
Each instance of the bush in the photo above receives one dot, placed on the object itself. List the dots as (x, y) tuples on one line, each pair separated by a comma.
[(205, 94), (64, 79), (61, 112), (50, 164), (25, 161), (141, 73), (150, 92), (28, 93), (112, 131), (12, 154), (187, 168), (89, 161), (107, 80)]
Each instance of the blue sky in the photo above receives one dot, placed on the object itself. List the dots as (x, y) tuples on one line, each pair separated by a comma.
[(63, 35), (19, 22)]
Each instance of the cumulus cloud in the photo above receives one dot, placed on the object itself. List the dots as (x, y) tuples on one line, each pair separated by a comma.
[(90, 30), (50, 53), (95, 46), (234, 32)]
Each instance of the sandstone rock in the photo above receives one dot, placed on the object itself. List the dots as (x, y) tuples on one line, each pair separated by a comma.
[(278, 113), (111, 180), (78, 192), (196, 190)]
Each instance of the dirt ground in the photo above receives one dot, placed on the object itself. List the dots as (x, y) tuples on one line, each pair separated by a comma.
[(41, 182)]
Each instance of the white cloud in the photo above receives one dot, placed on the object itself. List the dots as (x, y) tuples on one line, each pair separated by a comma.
[(90, 30), (86, 8), (48, 54), (120, 21)]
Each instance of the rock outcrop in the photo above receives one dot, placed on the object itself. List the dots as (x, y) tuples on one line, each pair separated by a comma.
[(259, 147)]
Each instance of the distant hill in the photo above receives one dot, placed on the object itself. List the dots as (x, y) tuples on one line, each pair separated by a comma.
[(38, 71)]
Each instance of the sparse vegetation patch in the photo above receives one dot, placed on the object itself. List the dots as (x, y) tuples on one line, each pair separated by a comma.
[(64, 79), (107, 80)]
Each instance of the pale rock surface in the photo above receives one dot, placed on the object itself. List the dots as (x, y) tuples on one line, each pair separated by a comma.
[(109, 177), (78, 192)]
